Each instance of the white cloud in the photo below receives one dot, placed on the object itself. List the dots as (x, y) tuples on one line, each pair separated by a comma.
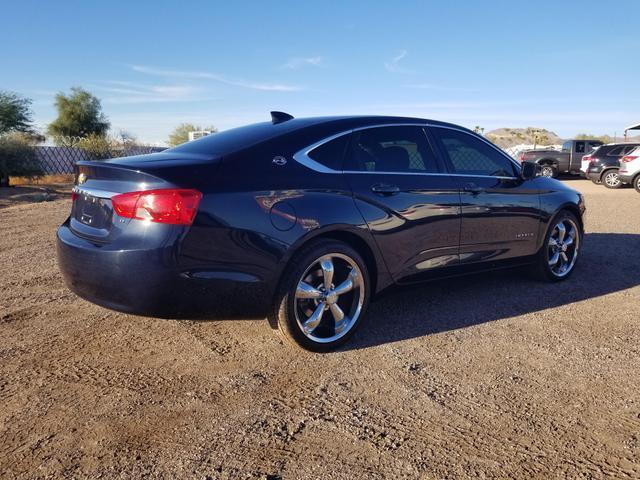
[(393, 66), (270, 87), (119, 92), (299, 62)]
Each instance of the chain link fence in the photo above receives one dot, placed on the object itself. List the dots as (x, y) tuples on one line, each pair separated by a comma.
[(516, 150), (61, 160)]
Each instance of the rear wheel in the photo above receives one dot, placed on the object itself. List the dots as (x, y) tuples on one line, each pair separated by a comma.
[(560, 250), (548, 170), (610, 179), (323, 296)]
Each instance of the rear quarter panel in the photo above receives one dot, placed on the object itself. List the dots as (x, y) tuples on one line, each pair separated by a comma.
[(260, 213)]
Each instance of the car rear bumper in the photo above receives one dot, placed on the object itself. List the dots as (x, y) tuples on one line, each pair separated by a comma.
[(626, 177), (150, 281)]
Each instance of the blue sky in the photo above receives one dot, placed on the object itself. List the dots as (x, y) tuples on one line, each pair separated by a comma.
[(568, 66)]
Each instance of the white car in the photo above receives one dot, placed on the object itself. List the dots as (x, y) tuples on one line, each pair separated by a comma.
[(630, 168), (584, 164)]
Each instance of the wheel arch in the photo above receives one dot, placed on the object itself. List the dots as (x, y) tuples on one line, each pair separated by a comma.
[(547, 161), (356, 240), (378, 273), (565, 207), (607, 168)]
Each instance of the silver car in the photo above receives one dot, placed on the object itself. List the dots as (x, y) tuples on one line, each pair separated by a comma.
[(630, 168)]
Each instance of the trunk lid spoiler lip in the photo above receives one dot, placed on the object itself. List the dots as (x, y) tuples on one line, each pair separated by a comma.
[(158, 158), (149, 166)]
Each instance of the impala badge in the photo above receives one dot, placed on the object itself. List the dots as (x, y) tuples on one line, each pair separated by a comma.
[(280, 161)]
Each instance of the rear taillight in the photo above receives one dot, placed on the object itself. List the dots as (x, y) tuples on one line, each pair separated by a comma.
[(628, 158), (586, 158), (174, 206)]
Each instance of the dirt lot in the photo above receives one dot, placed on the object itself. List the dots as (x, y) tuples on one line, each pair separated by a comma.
[(490, 376)]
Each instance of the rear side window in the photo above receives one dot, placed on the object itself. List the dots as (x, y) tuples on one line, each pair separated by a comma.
[(579, 147), (331, 153), (401, 149), (468, 155), (615, 152)]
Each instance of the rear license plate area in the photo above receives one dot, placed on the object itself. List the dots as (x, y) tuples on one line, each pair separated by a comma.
[(93, 211)]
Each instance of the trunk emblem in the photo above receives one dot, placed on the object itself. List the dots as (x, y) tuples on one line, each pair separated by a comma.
[(279, 160), (82, 178)]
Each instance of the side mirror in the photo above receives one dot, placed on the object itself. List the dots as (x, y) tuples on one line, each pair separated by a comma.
[(528, 170)]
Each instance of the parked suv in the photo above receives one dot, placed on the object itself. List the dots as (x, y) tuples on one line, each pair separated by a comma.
[(629, 171), (567, 160), (601, 166)]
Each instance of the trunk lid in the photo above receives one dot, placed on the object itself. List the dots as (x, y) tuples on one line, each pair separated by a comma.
[(92, 213)]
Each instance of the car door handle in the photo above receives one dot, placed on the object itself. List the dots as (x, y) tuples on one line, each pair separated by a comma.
[(473, 188), (385, 189)]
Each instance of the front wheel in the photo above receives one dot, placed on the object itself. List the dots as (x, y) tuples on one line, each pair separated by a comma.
[(548, 171), (323, 296), (559, 253), (610, 179), (596, 180)]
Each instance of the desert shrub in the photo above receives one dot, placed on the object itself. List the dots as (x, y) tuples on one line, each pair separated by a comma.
[(18, 157)]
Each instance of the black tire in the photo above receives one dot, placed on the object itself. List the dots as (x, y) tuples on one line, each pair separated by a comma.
[(541, 269), (596, 180), (548, 170), (610, 179), (636, 183), (286, 307)]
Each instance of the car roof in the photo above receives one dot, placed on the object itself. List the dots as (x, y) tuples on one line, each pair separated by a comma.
[(356, 121), (621, 144), (236, 139)]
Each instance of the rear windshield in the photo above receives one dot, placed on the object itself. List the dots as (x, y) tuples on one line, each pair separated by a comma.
[(229, 141)]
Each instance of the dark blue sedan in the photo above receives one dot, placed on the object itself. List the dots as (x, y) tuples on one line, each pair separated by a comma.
[(308, 219)]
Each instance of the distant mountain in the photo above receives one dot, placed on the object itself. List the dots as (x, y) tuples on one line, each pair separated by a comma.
[(509, 137)]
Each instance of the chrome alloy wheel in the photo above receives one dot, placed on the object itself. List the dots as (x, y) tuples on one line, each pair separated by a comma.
[(329, 298), (611, 179), (563, 247), (546, 171)]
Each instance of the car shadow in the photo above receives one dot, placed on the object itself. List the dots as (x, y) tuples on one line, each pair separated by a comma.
[(451, 304)]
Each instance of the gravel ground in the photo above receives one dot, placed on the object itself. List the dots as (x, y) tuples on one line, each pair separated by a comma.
[(492, 376)]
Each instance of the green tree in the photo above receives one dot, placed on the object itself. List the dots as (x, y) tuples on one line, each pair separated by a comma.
[(98, 147), (15, 113), (79, 114), (17, 157), (181, 133)]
